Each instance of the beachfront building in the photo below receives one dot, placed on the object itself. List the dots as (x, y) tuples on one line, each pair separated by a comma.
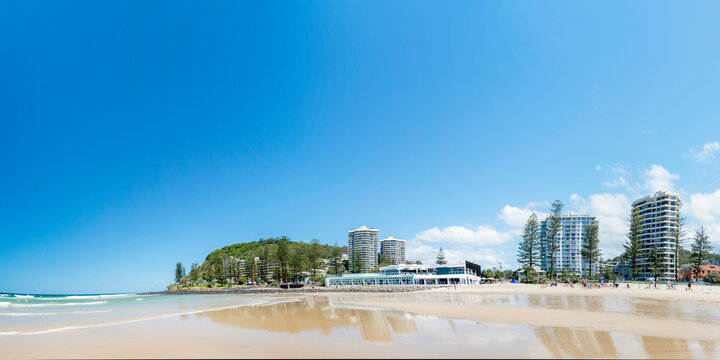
[(621, 269), (363, 243), (658, 214), (393, 250), (689, 273), (568, 256), (465, 273)]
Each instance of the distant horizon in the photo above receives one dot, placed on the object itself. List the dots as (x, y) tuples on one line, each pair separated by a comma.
[(135, 135)]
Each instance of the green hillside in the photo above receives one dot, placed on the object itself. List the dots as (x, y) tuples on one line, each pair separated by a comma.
[(266, 258)]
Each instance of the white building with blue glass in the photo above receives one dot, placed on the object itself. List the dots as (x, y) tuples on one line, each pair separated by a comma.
[(466, 273)]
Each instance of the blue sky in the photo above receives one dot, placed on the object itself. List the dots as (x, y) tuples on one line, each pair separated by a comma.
[(136, 134)]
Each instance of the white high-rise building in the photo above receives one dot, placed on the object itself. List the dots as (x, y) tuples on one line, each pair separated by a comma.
[(658, 222), (393, 250), (569, 244), (363, 242)]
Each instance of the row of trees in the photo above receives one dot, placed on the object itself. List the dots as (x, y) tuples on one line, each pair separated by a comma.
[(533, 243), (261, 262)]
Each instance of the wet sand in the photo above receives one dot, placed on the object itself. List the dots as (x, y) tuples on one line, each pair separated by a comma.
[(506, 321)]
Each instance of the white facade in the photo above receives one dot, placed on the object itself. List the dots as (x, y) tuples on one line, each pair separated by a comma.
[(569, 244), (658, 212), (393, 250), (466, 273), (363, 242)]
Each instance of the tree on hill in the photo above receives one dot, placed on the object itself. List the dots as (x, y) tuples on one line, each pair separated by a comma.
[(296, 266), (441, 257), (179, 272), (282, 258), (356, 265), (632, 244), (218, 273), (590, 247), (194, 273), (700, 250), (335, 259), (265, 250), (314, 256), (553, 229), (529, 245), (263, 266)]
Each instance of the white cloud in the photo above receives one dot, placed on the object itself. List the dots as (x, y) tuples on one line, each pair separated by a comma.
[(486, 257), (617, 182), (476, 244), (621, 179), (704, 208), (516, 217), (598, 167), (707, 153), (611, 211), (483, 235), (657, 178)]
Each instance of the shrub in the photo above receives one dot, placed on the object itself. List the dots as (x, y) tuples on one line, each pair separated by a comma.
[(241, 280), (274, 283), (713, 278)]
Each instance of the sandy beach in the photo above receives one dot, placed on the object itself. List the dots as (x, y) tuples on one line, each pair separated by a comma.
[(502, 320)]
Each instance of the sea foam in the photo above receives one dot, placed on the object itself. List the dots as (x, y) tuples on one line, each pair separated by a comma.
[(9, 304)]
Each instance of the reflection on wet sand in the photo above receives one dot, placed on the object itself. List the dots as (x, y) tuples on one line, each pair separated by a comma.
[(311, 314), (708, 348), (327, 315), (658, 348), (568, 342)]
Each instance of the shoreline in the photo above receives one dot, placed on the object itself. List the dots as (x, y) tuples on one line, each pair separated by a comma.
[(379, 323), (260, 290)]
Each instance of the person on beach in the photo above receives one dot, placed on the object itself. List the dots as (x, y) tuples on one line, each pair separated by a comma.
[(689, 288)]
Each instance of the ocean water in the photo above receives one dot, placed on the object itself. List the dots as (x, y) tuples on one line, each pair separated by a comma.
[(27, 314)]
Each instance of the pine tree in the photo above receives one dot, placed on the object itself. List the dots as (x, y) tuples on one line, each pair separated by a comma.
[(314, 256), (193, 274), (296, 266), (441, 257), (282, 257), (656, 261), (179, 272), (553, 230), (632, 244), (678, 235), (336, 260), (264, 265), (356, 264), (529, 246), (700, 250), (590, 247), (249, 267)]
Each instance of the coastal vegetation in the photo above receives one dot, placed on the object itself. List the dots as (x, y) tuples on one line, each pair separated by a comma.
[(700, 250), (678, 234), (441, 257), (266, 261), (632, 244), (536, 243), (550, 241), (529, 251), (591, 247)]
